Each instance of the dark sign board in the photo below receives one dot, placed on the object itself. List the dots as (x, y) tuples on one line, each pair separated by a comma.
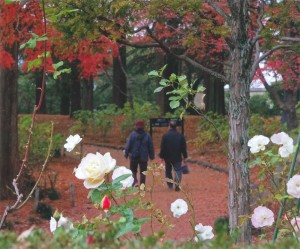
[(164, 122)]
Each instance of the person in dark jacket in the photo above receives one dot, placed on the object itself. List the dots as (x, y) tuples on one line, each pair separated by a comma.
[(139, 148), (173, 151)]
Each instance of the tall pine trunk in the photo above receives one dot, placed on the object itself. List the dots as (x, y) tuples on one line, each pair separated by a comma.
[(9, 159)]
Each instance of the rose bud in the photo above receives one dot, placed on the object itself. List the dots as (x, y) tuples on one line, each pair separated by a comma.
[(105, 203), (90, 239)]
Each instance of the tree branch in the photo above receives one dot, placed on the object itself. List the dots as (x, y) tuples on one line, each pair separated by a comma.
[(219, 10), (264, 56), (185, 58), (270, 89), (290, 39)]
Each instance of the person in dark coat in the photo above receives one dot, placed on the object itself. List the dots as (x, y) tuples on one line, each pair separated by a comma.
[(139, 148), (173, 151)]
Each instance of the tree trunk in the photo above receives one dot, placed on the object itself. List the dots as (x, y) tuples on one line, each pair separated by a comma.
[(9, 159), (161, 96), (214, 95), (287, 104), (289, 108), (65, 95), (119, 79), (238, 155), (87, 94), (75, 90), (38, 76)]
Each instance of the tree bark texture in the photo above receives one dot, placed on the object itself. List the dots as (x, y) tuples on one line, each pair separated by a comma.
[(239, 89), (9, 159), (289, 108), (119, 88)]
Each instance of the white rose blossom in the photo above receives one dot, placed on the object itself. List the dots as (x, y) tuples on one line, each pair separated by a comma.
[(72, 141), (64, 222), (293, 186), (262, 216), (122, 170), (93, 168), (203, 232), (286, 141), (179, 207), (258, 143)]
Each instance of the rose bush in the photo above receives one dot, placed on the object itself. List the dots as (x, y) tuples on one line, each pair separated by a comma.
[(273, 164)]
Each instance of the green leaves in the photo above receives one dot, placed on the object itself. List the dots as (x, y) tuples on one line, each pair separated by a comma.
[(31, 43), (128, 223), (178, 87), (59, 72)]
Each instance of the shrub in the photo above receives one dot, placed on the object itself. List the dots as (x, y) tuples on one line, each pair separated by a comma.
[(103, 119), (263, 105), (41, 136), (97, 122), (83, 120), (261, 125), (213, 128)]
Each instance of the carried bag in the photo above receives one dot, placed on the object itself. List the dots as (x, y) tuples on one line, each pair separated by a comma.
[(185, 169)]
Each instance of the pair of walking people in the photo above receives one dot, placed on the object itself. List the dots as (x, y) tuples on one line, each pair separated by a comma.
[(139, 148)]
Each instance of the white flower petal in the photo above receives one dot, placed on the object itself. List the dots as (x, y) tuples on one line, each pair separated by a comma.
[(281, 138), (53, 224), (293, 186), (93, 168), (122, 170), (64, 222), (179, 207), (286, 150), (203, 232), (72, 141), (257, 143), (92, 183)]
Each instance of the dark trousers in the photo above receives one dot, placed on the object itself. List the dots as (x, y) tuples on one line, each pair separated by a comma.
[(134, 163), (177, 172)]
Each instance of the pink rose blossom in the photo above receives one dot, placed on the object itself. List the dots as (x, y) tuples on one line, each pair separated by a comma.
[(262, 217)]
